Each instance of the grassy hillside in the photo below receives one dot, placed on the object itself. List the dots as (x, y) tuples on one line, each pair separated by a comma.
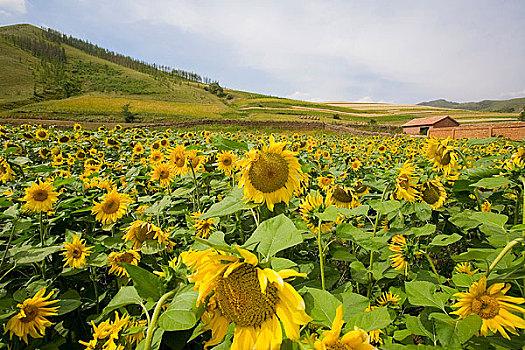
[(514, 105)]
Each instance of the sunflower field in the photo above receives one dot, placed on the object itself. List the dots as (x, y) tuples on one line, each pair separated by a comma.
[(163, 239)]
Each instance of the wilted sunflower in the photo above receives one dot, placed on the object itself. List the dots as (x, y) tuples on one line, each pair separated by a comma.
[(312, 204), (270, 175), (443, 156), (164, 173), (112, 207), (203, 228), (140, 231), (6, 172), (493, 306), (356, 339), (40, 197), (405, 188), (75, 253), (42, 134), (226, 162), (179, 160), (254, 299), (433, 193), (342, 197), (397, 246), (115, 260), (31, 319)]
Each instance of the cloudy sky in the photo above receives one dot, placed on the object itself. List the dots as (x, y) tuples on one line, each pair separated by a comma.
[(380, 51)]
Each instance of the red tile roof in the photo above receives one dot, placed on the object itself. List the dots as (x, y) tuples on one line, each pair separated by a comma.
[(426, 121)]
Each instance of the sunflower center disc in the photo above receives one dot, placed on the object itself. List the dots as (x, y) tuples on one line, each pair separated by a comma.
[(226, 161), (338, 346), (342, 195), (40, 195), (240, 299), (125, 258), (111, 206), (143, 233), (430, 194), (269, 173), (76, 253), (163, 174), (31, 312), (485, 306)]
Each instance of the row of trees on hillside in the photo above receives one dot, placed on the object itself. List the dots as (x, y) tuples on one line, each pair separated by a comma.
[(126, 61)]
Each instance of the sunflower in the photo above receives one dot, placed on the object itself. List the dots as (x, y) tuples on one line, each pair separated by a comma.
[(270, 175), (115, 260), (111, 142), (356, 339), (156, 157), (77, 127), (397, 246), (375, 335), (433, 193), (138, 148), (258, 301), (342, 197), (164, 173), (31, 319), (42, 134), (493, 306), (312, 204), (226, 162), (179, 160), (465, 268), (195, 160), (356, 165), (325, 182), (44, 153), (29, 136), (388, 297), (40, 197), (63, 139), (140, 231), (405, 188), (443, 156), (360, 189), (112, 207), (486, 206), (202, 228), (108, 330), (6, 172), (75, 253)]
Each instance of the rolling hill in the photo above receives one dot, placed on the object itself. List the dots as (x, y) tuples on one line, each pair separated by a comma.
[(514, 105), (46, 76)]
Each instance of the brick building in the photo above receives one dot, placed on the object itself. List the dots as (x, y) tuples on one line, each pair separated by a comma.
[(424, 126)]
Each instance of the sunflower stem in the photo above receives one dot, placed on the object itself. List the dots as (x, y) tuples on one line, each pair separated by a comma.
[(321, 258), (433, 267), (42, 265), (376, 222), (153, 324), (197, 196), (8, 243), (92, 277), (505, 250), (255, 217)]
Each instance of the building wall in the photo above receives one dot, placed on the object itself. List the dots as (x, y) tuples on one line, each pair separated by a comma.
[(445, 123), (513, 131), (411, 130)]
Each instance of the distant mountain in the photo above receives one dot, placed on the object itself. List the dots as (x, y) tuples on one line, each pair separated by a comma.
[(514, 105)]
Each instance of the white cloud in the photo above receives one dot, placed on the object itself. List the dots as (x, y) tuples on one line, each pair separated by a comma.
[(10, 7), (520, 93)]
